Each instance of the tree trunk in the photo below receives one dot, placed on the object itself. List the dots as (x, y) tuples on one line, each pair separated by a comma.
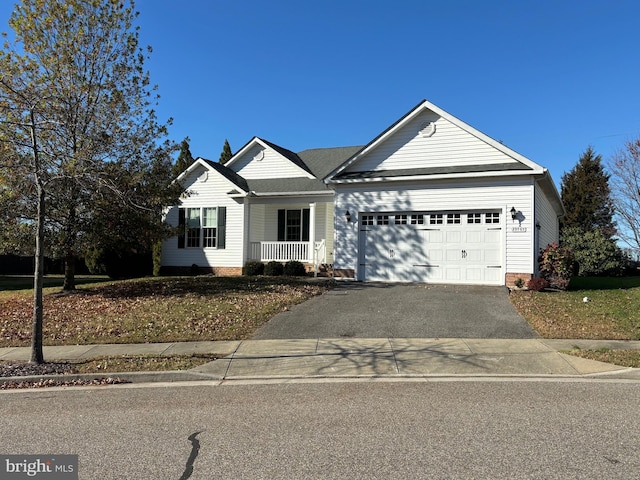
[(69, 271), (69, 256), (37, 355)]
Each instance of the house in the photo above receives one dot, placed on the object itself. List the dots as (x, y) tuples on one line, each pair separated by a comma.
[(430, 199)]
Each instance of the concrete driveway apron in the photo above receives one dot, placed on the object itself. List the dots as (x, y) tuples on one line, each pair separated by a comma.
[(381, 310)]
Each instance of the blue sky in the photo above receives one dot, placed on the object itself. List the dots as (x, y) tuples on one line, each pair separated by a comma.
[(547, 78)]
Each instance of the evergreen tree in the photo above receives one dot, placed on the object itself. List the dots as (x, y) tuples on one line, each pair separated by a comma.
[(587, 197), (588, 228), (185, 159), (226, 154)]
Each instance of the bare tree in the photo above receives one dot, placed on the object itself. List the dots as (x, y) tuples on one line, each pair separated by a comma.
[(625, 178)]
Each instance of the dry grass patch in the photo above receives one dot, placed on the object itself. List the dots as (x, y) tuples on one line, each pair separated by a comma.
[(142, 363), (624, 358), (610, 313), (109, 364), (155, 310)]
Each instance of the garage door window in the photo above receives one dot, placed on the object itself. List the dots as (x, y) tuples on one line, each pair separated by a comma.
[(401, 219), (474, 218), (367, 219), (382, 220), (435, 219), (491, 218), (417, 219), (453, 218)]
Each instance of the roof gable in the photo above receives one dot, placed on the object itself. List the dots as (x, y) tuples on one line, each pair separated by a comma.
[(200, 166), (260, 159), (429, 142)]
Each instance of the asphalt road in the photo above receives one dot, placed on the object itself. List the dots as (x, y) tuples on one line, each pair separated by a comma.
[(481, 429), (383, 310)]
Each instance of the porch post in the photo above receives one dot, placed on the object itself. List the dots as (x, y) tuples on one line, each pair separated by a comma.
[(312, 237)]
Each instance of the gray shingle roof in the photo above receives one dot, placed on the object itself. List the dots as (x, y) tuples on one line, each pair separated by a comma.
[(318, 161), (410, 172), (322, 161)]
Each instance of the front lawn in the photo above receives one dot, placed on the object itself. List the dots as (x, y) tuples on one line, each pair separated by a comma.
[(167, 309), (611, 312)]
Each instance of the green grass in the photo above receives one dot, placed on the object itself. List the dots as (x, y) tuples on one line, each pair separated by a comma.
[(612, 312)]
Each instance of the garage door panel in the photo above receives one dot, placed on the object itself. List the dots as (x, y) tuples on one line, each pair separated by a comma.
[(449, 253), (434, 255), (474, 274), (474, 256), (473, 236), (453, 236), (453, 254)]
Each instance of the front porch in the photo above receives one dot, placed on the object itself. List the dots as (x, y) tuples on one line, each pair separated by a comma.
[(288, 251), (283, 231)]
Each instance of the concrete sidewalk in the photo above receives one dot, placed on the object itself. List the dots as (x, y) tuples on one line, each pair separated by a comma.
[(355, 357)]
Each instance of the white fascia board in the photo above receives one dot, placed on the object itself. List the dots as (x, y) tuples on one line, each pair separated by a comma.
[(426, 105), (484, 137), (240, 152), (375, 143), (257, 141), (197, 162), (549, 188)]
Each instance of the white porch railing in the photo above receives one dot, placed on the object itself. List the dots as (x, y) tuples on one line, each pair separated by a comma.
[(287, 251)]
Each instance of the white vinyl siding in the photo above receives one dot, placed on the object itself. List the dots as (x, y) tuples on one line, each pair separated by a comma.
[(448, 146), (547, 218), (262, 163), (212, 192), (445, 196)]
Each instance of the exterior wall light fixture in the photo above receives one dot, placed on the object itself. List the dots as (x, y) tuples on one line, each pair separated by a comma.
[(347, 215), (514, 213)]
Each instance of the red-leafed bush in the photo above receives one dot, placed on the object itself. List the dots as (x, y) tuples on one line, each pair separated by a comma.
[(537, 284), (556, 265)]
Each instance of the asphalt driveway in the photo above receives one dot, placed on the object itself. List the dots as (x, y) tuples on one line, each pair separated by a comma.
[(379, 310)]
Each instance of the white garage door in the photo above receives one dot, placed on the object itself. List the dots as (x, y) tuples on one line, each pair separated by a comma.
[(438, 247)]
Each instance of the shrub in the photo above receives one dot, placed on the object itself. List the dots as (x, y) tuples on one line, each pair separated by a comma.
[(537, 284), (595, 254), (556, 265), (294, 269), (252, 269), (519, 283), (273, 268)]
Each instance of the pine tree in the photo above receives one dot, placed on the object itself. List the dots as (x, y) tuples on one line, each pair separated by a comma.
[(588, 228), (226, 154), (587, 197), (185, 159)]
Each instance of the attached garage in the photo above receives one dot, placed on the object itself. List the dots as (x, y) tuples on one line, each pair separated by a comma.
[(440, 247), (431, 199)]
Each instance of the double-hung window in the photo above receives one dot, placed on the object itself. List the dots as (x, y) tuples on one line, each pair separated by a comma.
[(202, 227), (293, 225)]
